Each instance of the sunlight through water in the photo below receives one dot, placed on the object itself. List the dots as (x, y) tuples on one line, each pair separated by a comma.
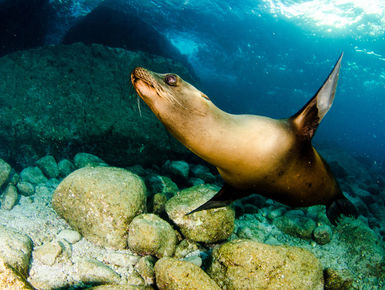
[(364, 16)]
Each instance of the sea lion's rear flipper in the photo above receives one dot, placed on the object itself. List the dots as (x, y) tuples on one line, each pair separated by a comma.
[(223, 198), (308, 118), (340, 206)]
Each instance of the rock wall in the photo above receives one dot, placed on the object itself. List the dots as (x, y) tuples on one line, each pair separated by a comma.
[(70, 98)]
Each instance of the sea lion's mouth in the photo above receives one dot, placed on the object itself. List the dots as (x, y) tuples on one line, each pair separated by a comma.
[(140, 74)]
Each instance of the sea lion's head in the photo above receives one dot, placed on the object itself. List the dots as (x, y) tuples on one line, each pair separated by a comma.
[(168, 93)]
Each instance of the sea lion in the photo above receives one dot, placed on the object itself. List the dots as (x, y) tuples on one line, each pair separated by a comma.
[(253, 154)]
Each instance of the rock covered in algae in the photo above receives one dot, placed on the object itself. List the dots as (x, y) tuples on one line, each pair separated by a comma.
[(5, 171), (100, 203), (364, 247), (172, 274), (9, 197), (11, 278), (15, 249), (151, 235), (246, 264), (208, 226), (48, 165)]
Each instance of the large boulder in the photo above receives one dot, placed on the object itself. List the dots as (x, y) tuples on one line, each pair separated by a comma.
[(247, 264), (62, 99), (100, 203)]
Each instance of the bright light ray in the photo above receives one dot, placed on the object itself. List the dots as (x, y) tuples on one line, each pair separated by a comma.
[(363, 15)]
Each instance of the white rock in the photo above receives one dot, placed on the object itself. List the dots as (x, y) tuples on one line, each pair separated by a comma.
[(70, 236)]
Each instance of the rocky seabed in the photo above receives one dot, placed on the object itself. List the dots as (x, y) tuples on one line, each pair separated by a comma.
[(80, 223)]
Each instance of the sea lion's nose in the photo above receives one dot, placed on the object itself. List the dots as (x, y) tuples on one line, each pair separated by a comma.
[(139, 72)]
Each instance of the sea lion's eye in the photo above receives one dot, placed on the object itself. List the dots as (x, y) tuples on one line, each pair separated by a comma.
[(171, 80)]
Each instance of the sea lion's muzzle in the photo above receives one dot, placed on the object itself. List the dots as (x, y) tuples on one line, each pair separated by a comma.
[(142, 74)]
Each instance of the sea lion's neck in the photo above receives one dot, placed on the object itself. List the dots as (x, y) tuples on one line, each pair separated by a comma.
[(202, 133)]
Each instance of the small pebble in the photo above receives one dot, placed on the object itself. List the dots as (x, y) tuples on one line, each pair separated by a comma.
[(322, 234), (25, 188), (70, 236)]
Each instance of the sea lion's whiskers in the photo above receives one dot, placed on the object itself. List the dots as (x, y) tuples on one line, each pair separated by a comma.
[(138, 103)]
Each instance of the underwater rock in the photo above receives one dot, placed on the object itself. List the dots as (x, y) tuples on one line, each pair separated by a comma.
[(14, 179), (246, 264), (295, 224), (65, 167), (48, 253), (172, 274), (11, 278), (179, 168), (9, 197), (145, 267), (15, 249), (75, 80), (71, 237), (48, 165), (120, 259), (120, 287), (202, 172), (94, 271), (195, 181), (322, 234), (185, 248), (148, 234), (338, 279), (5, 171), (112, 25), (208, 226), (100, 203), (25, 188), (33, 175), (88, 160), (160, 184), (364, 247), (159, 203)]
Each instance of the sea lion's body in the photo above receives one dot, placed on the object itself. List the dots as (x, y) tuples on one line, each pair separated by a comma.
[(253, 154)]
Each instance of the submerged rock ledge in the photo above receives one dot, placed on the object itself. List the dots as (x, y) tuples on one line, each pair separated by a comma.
[(66, 98)]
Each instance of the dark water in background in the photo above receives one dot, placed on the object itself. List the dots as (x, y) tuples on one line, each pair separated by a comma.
[(252, 58), (269, 57)]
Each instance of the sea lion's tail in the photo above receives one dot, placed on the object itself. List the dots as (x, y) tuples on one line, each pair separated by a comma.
[(338, 207)]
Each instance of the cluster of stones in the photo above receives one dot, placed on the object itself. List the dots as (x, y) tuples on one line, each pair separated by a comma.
[(147, 212)]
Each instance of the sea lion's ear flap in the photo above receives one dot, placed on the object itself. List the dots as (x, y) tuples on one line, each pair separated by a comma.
[(308, 118)]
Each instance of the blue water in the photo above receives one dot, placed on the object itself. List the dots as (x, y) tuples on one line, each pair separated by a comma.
[(269, 57)]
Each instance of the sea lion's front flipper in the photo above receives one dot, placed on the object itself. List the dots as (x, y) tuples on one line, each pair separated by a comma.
[(223, 198), (309, 117), (340, 206)]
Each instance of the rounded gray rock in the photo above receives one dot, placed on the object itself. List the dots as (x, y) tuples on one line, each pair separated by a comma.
[(206, 226), (9, 197), (151, 235), (179, 168), (100, 203), (65, 167), (295, 225), (48, 165), (322, 234), (33, 175), (25, 188), (88, 160), (5, 171), (172, 274)]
